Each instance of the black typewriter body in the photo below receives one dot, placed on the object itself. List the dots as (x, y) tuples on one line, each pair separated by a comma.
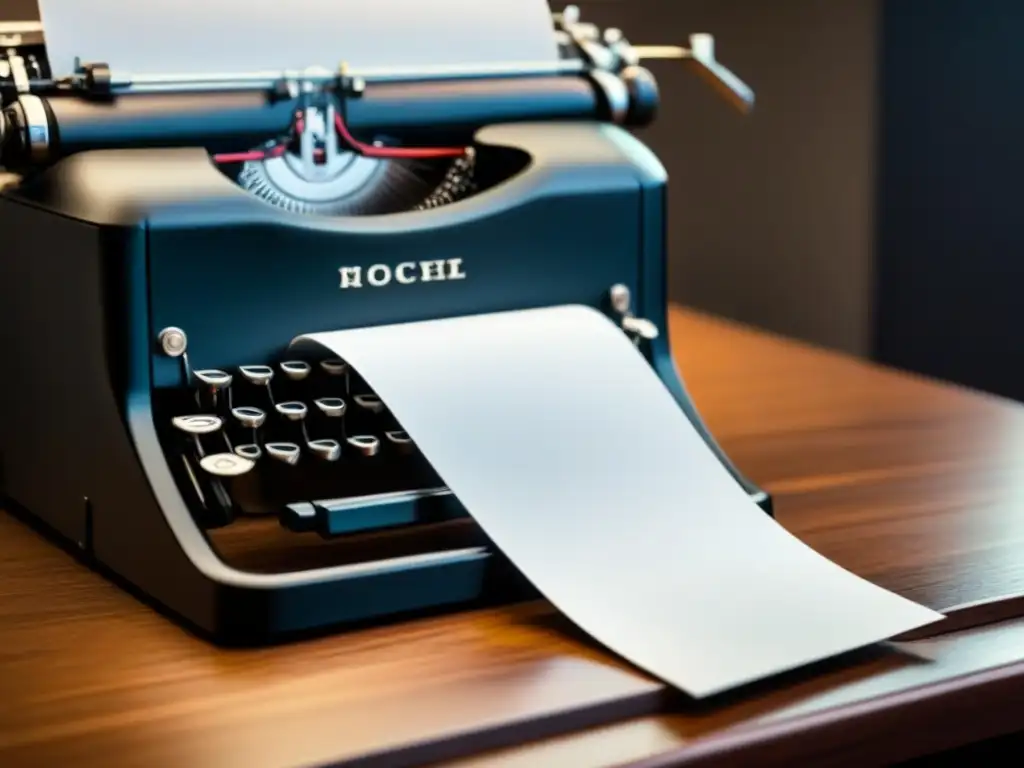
[(157, 264), (109, 249)]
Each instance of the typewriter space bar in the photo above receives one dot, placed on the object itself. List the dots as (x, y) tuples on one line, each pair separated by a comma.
[(336, 517)]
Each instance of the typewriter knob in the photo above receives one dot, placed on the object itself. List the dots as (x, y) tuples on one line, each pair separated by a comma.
[(620, 298), (643, 95), (173, 341)]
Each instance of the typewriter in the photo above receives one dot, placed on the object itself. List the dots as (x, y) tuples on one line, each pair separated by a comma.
[(166, 238)]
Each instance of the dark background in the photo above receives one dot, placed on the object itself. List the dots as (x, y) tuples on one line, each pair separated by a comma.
[(871, 203), (772, 215)]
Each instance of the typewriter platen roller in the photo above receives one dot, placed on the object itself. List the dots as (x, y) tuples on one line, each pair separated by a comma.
[(165, 239)]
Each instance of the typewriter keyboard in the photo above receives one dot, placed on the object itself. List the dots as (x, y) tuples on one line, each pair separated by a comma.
[(305, 440)]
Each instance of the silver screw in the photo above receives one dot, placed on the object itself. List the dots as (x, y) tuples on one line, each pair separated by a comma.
[(173, 341)]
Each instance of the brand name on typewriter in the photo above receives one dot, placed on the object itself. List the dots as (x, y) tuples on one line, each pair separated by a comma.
[(406, 273)]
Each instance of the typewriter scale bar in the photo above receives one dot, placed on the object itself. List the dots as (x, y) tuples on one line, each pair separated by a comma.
[(305, 441)]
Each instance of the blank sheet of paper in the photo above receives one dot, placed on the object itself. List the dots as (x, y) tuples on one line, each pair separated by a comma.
[(142, 37), (571, 454)]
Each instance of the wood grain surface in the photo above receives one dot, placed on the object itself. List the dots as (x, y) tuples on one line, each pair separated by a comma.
[(911, 484)]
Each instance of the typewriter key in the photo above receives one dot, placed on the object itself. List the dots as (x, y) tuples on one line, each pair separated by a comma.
[(213, 382), (401, 441), (366, 445), (296, 370), (287, 453), (337, 369), (259, 376), (293, 428), (249, 417), (334, 367), (331, 407), (250, 451), (197, 426), (226, 465), (325, 450), (292, 410), (370, 403)]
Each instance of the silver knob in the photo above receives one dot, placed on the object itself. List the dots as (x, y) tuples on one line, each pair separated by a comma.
[(173, 341), (620, 298)]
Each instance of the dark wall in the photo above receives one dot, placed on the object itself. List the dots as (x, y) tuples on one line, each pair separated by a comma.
[(951, 218), (19, 10), (772, 214)]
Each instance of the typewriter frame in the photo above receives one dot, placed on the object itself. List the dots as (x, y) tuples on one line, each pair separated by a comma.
[(77, 252)]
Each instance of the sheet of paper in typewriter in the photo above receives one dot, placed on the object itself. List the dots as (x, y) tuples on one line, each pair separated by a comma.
[(559, 439), (146, 37)]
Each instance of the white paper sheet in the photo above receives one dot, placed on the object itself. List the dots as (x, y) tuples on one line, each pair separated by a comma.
[(196, 36), (559, 439)]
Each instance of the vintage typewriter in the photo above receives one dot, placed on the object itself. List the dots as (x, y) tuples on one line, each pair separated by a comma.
[(165, 239)]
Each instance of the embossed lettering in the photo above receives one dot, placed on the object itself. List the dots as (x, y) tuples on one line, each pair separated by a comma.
[(351, 277), (405, 273), (455, 270), (402, 274), (432, 270), (378, 275)]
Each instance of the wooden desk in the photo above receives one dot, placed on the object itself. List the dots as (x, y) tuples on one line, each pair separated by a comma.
[(917, 486)]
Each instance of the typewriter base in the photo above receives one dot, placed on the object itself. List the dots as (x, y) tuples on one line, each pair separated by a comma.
[(97, 249)]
